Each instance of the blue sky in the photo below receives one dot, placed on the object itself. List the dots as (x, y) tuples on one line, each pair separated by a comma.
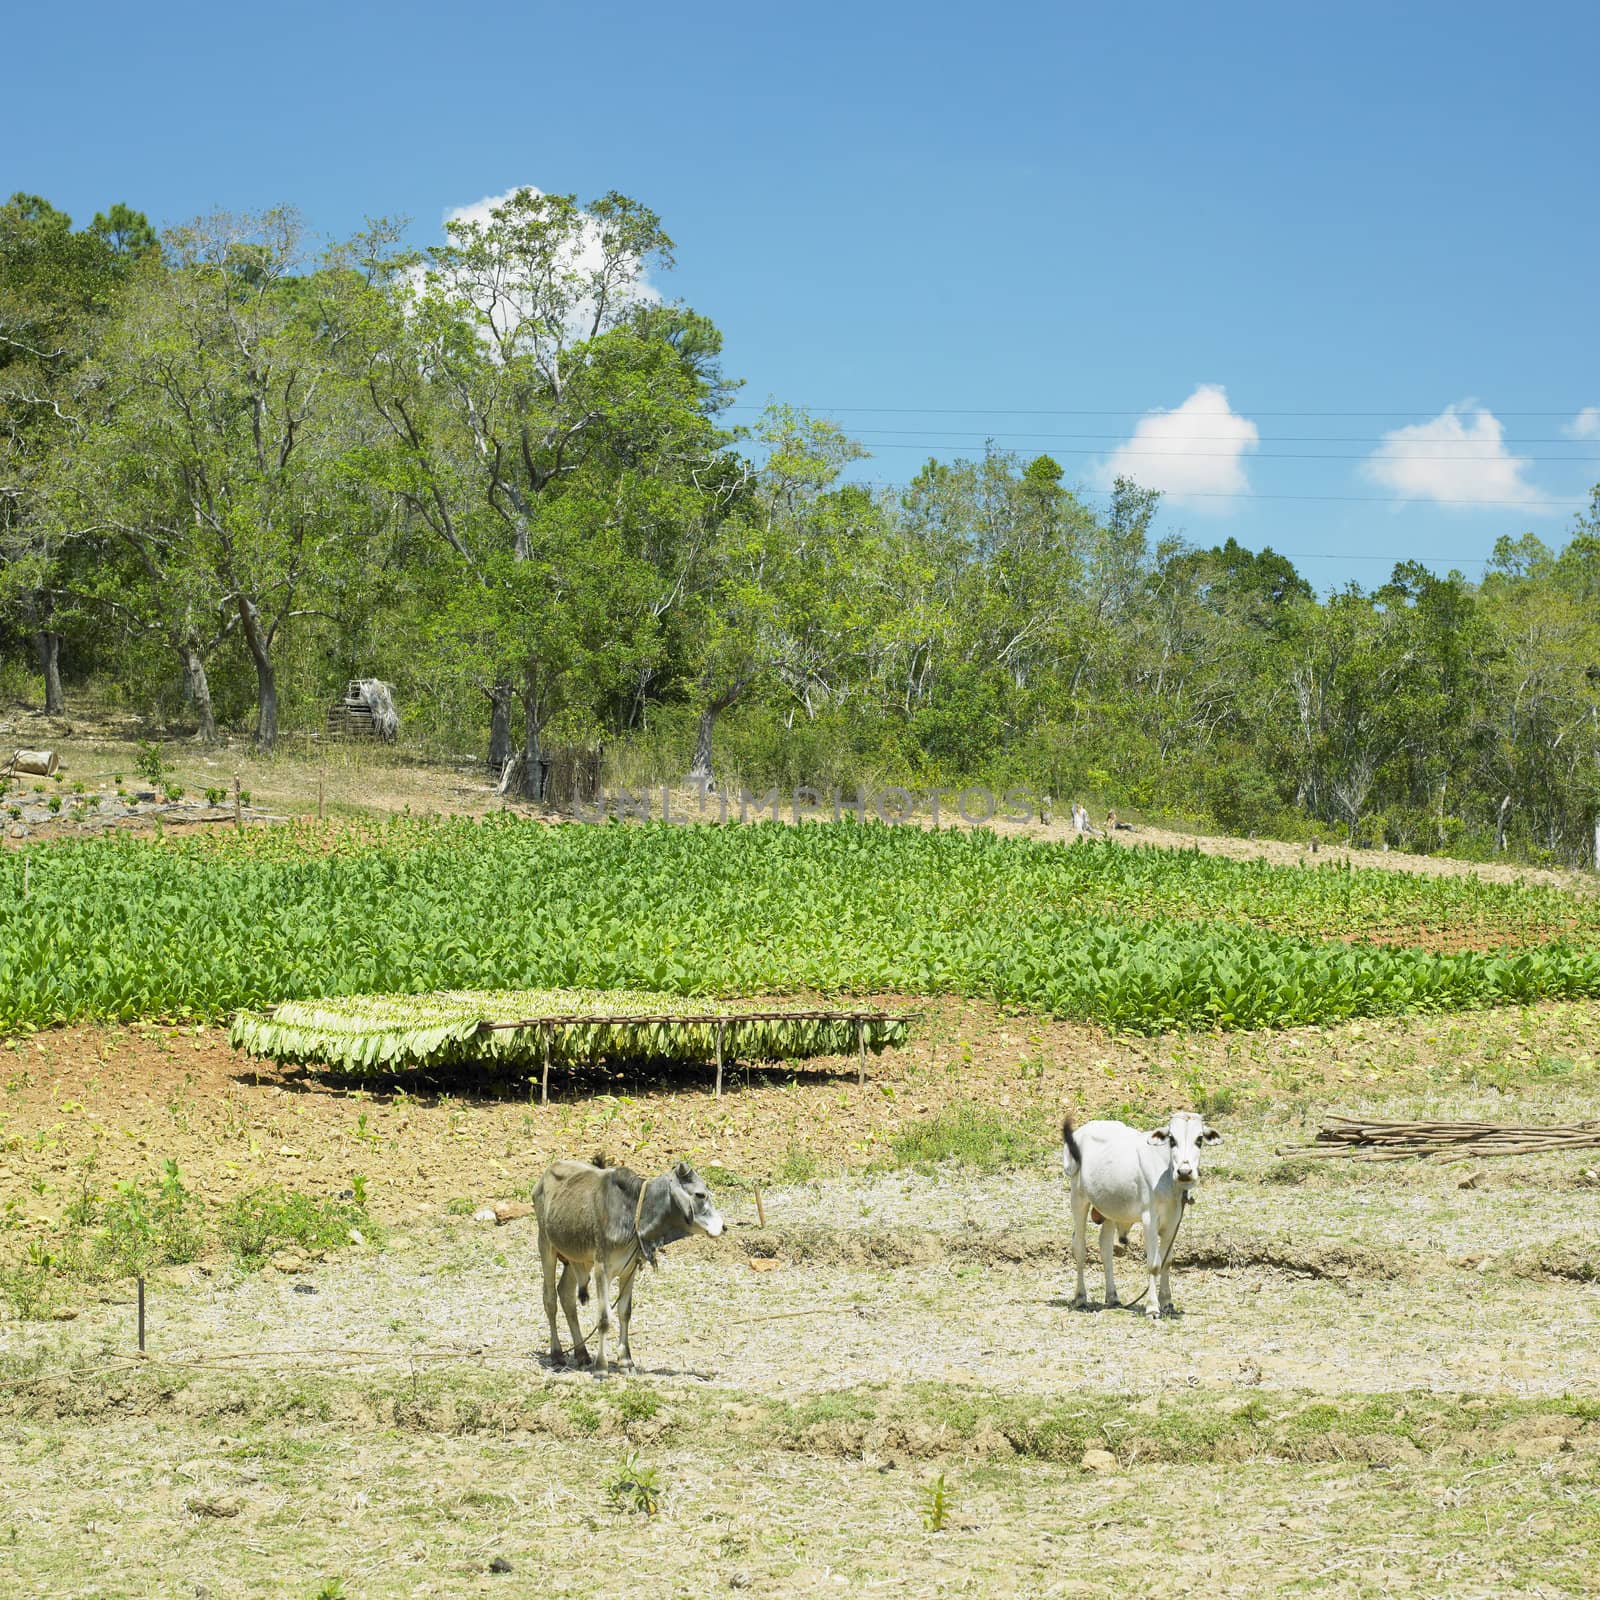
[(1298, 232)]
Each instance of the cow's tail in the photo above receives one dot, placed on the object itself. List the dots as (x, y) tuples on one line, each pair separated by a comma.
[(1073, 1155)]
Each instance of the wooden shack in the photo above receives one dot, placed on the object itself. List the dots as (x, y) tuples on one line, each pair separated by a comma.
[(366, 710)]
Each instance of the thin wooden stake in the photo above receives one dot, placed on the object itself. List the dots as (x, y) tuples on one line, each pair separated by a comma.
[(544, 1085), (861, 1048), (719, 1061), (238, 813), (319, 797), (141, 1316), (761, 1210)]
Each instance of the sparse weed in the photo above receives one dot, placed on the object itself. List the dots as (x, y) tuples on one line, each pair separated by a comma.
[(638, 1405), (798, 1165), (936, 1506)]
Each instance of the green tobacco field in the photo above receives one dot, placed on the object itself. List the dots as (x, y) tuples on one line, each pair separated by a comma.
[(1137, 940)]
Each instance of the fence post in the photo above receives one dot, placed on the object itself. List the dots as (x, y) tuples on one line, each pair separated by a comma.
[(544, 1084), (861, 1051), (720, 1027)]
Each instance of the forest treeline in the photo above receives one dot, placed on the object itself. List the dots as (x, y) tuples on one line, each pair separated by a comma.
[(237, 470)]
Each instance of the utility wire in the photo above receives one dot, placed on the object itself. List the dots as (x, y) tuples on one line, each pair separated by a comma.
[(1002, 411), (1241, 454), (1551, 503), (1205, 438)]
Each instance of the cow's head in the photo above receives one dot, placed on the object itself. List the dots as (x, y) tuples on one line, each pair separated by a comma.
[(693, 1201), (1183, 1135)]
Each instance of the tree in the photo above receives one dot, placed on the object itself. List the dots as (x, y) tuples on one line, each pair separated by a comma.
[(229, 408), (547, 424), (57, 289)]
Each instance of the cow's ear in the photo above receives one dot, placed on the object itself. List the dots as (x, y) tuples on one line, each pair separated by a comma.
[(1210, 1136), (681, 1203), (1161, 1135), (683, 1172)]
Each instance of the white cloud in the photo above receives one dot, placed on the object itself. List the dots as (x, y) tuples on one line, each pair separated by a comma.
[(1196, 451), (1459, 458), (1586, 425)]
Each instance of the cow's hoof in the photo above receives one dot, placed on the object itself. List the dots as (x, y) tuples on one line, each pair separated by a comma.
[(1080, 1304), (557, 1359), (1113, 1303)]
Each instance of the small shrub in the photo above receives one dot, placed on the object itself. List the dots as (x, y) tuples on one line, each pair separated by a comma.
[(244, 797), (459, 1207), (936, 1506), (174, 792), (215, 797), (29, 1286), (53, 804), (151, 766), (636, 1488), (14, 812)]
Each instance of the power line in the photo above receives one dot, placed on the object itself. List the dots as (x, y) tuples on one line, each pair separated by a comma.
[(1016, 411), (1578, 502), (1215, 438), (1241, 455)]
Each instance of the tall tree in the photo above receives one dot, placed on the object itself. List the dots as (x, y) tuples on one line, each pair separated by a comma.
[(227, 401), (57, 288)]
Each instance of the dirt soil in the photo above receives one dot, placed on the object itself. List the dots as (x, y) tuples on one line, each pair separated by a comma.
[(130, 1098), (1383, 1380)]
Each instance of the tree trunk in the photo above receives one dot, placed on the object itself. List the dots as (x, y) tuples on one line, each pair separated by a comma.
[(700, 768), (1500, 824), (197, 690), (266, 677), (499, 727), (48, 646), (524, 778)]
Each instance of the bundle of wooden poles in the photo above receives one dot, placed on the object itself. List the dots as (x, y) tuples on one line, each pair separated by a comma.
[(1457, 1141)]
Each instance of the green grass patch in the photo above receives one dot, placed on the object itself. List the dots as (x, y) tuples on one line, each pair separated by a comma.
[(970, 1136), (256, 1225)]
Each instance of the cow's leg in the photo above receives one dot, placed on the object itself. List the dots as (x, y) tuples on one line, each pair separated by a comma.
[(1108, 1245), (552, 1270), (602, 1295), (1169, 1239), (624, 1317), (569, 1304), (1080, 1247), (1156, 1256)]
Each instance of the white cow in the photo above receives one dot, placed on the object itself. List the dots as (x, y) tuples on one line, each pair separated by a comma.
[(1125, 1176)]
